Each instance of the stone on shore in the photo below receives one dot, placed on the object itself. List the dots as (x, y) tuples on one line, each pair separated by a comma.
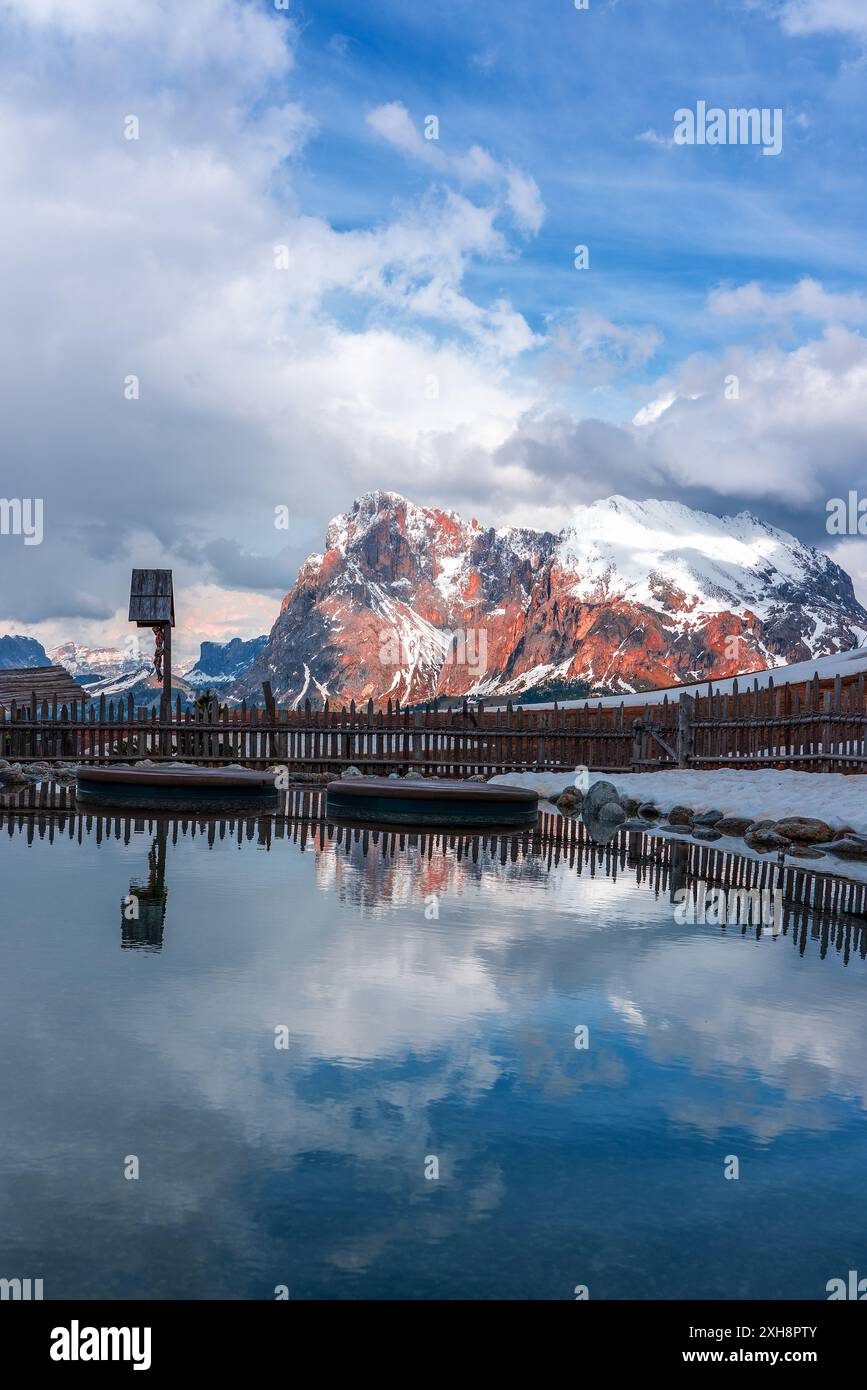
[(598, 796), (804, 829), (734, 825)]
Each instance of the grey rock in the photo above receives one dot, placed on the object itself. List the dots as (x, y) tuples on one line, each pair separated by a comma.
[(680, 815), (706, 832), (612, 813), (630, 804), (351, 772), (805, 852), (598, 796), (708, 818), (648, 811)]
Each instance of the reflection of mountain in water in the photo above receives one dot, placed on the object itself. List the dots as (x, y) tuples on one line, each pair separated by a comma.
[(380, 870)]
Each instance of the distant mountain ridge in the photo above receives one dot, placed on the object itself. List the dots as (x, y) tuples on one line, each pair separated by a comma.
[(90, 665), (220, 663), (19, 652), (116, 674), (628, 596)]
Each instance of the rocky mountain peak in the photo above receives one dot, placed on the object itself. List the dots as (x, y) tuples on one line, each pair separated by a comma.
[(629, 595)]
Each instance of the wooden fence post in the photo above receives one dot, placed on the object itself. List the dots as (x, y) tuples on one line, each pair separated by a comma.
[(685, 730), (637, 729)]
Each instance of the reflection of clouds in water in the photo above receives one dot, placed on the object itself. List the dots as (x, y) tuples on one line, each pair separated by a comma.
[(719, 1004), (390, 1016), (530, 936)]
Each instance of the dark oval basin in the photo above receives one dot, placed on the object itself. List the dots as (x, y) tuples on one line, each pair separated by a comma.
[(430, 801)]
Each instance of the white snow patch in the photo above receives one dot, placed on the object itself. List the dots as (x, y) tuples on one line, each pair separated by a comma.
[(762, 794)]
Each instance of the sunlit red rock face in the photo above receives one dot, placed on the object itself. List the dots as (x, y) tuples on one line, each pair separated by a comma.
[(411, 602)]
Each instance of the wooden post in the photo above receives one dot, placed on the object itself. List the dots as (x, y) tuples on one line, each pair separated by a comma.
[(685, 730), (637, 730), (166, 702)]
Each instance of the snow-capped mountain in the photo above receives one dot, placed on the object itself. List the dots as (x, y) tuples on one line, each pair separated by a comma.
[(413, 602), (141, 683), (89, 665), (220, 663)]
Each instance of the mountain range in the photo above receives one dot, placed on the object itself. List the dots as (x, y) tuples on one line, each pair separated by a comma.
[(117, 674), (413, 603)]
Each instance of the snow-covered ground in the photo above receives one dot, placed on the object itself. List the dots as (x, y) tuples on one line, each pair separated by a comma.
[(762, 793), (850, 663)]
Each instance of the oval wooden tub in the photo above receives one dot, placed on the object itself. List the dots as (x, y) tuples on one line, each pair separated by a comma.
[(430, 801), (176, 786)]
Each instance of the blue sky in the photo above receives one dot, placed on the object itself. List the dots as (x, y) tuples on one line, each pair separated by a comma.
[(430, 333)]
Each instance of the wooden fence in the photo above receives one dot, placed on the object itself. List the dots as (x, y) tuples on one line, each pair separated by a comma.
[(817, 726)]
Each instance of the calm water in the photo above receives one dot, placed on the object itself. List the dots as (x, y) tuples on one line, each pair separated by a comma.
[(413, 1036)]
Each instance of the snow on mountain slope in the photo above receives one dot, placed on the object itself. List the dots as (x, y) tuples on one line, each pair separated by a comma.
[(91, 664), (414, 602), (620, 548)]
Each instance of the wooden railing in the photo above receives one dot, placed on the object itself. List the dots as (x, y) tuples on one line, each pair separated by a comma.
[(818, 726)]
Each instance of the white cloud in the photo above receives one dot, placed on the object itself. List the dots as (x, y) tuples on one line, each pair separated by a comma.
[(525, 200), (192, 35), (594, 348), (652, 137), (649, 414), (807, 298), (799, 419), (821, 16), (394, 123), (156, 257), (519, 190)]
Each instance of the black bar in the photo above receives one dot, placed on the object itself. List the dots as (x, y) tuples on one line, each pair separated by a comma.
[(248, 1337)]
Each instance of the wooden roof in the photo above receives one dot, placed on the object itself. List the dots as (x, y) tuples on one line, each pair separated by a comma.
[(151, 598), (19, 683)]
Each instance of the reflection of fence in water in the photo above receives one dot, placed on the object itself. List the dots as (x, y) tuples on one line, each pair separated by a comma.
[(826, 908)]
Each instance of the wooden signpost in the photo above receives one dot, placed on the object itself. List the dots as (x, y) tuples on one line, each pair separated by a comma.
[(152, 604)]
